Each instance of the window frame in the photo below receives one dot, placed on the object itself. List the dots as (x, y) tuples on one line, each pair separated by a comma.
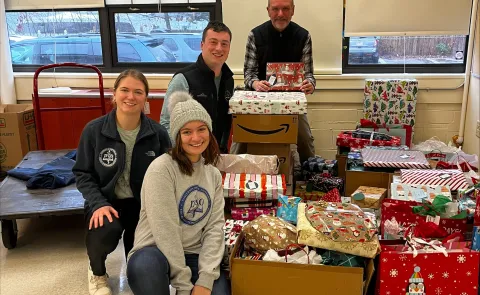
[(108, 37), (400, 68)]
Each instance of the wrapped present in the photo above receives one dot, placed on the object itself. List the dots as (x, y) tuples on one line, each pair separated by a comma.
[(476, 238), (332, 196), (398, 130), (315, 165), (394, 159), (285, 76), (301, 192), (326, 184), (402, 213), (418, 193), (390, 101), (338, 227), (251, 164), (354, 161), (249, 214), (267, 232), (435, 269), (232, 229), (369, 197), (453, 178), (341, 259), (254, 186), (251, 203), (287, 208), (361, 139), (280, 103)]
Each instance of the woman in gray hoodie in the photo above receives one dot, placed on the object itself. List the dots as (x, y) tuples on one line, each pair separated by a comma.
[(179, 239)]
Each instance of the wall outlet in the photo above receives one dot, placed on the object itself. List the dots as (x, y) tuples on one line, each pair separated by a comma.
[(478, 128)]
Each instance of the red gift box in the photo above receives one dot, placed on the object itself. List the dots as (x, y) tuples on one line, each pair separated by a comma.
[(249, 214), (345, 139), (288, 76), (429, 272), (402, 212)]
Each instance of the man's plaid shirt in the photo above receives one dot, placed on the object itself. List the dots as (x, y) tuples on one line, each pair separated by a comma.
[(251, 63)]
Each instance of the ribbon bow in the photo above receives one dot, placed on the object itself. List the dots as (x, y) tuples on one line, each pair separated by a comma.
[(415, 244), (436, 208)]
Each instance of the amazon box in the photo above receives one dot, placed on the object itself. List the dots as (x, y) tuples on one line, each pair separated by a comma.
[(281, 150), (265, 128), (17, 133)]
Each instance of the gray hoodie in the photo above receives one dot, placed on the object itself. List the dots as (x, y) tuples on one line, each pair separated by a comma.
[(183, 214)]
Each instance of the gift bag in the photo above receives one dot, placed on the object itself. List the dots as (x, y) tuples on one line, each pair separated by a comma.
[(338, 227), (287, 208), (454, 270), (402, 213), (268, 232)]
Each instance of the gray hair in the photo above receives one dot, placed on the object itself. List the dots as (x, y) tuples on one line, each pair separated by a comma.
[(268, 3)]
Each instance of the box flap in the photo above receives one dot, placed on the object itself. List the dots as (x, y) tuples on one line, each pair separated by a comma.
[(15, 108)]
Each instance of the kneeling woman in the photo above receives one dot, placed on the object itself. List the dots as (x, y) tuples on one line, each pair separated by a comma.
[(179, 239)]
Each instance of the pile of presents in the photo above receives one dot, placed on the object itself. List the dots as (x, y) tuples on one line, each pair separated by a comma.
[(385, 216)]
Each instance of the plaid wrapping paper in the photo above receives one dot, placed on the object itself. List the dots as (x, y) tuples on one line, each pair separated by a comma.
[(390, 101), (249, 214), (286, 76), (280, 103), (394, 159), (455, 179), (253, 186), (326, 184), (350, 139)]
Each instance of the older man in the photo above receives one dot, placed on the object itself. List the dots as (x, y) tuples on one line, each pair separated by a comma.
[(281, 40)]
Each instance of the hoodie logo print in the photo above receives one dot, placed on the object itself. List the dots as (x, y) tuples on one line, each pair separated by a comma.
[(108, 157), (194, 205)]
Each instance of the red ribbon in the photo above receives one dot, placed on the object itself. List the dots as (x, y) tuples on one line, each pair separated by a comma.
[(364, 123)]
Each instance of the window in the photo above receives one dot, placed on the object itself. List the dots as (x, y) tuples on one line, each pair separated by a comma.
[(44, 37), (114, 38), (414, 54), (164, 33)]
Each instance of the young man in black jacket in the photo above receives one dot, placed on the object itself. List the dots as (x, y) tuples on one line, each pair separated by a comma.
[(281, 40), (209, 81)]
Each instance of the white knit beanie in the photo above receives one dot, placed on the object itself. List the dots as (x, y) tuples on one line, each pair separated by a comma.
[(183, 109)]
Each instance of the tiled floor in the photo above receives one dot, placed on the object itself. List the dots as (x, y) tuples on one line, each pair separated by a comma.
[(51, 259)]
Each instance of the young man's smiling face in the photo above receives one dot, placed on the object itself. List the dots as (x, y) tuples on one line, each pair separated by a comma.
[(215, 48)]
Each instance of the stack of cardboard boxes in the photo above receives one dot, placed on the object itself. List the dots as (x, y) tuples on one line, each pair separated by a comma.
[(268, 124)]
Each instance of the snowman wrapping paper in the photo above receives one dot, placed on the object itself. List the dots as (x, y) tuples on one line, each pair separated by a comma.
[(285, 76), (400, 273)]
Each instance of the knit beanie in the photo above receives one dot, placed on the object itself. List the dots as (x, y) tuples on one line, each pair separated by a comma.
[(183, 109)]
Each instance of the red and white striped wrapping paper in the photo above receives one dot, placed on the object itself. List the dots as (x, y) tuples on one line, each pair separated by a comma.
[(254, 186), (453, 178), (394, 159), (250, 203)]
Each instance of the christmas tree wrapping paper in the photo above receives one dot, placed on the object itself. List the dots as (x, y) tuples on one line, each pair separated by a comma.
[(429, 272), (232, 229), (390, 101)]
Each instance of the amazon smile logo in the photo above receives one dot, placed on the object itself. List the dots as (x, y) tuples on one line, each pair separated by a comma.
[(283, 127)]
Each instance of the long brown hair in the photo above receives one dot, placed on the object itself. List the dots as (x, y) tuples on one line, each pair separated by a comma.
[(211, 154), (134, 74)]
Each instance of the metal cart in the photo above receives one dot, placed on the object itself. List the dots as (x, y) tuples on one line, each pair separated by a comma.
[(18, 202)]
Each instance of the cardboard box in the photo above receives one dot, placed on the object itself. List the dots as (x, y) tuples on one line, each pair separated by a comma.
[(265, 128), (283, 152), (17, 133), (355, 179), (254, 277)]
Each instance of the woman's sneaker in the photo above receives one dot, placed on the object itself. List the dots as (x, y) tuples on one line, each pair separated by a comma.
[(98, 285)]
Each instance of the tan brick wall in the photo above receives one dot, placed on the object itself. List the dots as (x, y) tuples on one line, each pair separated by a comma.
[(335, 106)]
